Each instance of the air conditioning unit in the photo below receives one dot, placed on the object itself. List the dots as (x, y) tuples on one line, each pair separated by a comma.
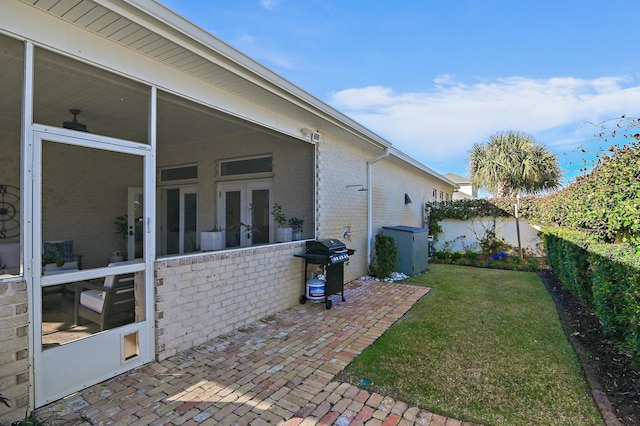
[(315, 137)]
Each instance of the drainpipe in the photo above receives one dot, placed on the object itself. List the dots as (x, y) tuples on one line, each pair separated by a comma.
[(370, 204)]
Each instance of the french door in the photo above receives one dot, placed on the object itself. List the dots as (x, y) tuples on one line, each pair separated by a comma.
[(244, 212), (78, 187)]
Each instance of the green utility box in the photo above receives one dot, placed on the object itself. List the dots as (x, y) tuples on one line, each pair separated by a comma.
[(413, 248)]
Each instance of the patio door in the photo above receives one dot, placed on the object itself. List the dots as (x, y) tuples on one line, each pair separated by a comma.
[(81, 334), (244, 212)]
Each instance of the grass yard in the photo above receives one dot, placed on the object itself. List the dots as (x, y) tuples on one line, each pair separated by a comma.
[(484, 346)]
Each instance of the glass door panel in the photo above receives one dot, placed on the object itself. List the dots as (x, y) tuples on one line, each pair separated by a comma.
[(172, 224), (190, 222), (179, 212), (260, 216), (232, 218)]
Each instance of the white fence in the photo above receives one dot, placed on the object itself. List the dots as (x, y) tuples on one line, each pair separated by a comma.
[(459, 235)]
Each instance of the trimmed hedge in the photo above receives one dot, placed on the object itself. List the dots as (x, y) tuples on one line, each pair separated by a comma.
[(606, 277), (386, 253)]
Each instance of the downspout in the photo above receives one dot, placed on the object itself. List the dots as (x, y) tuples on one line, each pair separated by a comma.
[(370, 240)]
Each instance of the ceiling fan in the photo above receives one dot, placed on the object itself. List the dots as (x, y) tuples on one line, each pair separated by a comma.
[(75, 124)]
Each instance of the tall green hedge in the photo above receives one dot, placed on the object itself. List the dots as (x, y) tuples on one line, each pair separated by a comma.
[(567, 251), (604, 276)]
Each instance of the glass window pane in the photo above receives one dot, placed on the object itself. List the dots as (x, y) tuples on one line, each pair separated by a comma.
[(247, 166), (179, 173)]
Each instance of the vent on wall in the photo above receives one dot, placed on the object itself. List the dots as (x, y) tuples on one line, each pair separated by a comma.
[(315, 137)]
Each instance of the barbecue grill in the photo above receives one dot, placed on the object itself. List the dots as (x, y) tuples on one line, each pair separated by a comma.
[(330, 255)]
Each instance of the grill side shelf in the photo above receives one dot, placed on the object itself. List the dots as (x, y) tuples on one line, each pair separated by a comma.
[(316, 259)]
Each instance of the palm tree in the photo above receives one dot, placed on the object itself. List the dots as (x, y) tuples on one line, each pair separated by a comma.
[(512, 163)]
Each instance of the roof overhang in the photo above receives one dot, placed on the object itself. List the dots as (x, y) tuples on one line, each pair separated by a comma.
[(155, 31)]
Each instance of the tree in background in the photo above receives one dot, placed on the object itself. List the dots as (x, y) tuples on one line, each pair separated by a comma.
[(512, 163)]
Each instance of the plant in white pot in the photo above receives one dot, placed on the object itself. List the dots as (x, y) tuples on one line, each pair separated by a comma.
[(296, 227), (283, 232), (213, 239)]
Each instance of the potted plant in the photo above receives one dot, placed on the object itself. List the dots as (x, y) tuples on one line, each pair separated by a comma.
[(283, 232), (296, 227), (214, 239)]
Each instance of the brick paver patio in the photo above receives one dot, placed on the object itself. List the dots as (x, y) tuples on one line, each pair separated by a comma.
[(279, 370)]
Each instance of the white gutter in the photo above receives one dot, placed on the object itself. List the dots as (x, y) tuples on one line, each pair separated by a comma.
[(370, 240)]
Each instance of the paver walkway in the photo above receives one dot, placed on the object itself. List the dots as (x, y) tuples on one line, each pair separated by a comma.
[(279, 370)]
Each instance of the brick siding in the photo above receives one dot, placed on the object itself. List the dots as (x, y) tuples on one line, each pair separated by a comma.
[(14, 349)]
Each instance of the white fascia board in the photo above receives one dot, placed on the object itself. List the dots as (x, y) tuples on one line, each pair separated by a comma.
[(415, 163)]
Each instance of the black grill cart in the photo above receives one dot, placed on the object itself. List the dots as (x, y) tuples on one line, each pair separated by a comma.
[(330, 255)]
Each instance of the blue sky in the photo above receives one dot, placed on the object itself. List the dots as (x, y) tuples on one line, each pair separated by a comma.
[(433, 77)]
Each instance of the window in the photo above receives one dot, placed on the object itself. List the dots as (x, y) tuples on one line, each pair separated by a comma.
[(246, 166), (171, 174), (441, 195), (435, 194)]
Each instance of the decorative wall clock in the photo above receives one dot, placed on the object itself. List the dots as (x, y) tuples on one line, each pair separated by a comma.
[(9, 211)]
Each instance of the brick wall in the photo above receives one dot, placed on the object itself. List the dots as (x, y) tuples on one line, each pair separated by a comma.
[(14, 349), (202, 296), (340, 208), (391, 180)]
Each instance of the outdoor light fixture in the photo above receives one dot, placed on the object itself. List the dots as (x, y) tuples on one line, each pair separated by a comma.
[(362, 188), (407, 200), (312, 135)]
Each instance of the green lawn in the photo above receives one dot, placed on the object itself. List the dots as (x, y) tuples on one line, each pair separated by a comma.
[(484, 346)]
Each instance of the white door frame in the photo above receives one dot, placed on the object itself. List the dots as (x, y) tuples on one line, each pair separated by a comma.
[(62, 370)]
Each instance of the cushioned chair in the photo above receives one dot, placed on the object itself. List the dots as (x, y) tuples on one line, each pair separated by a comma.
[(109, 305)]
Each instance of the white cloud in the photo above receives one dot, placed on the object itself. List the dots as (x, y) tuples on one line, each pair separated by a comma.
[(441, 124), (269, 4)]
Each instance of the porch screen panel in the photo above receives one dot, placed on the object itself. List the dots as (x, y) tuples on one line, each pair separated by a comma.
[(12, 70), (85, 193), (105, 103)]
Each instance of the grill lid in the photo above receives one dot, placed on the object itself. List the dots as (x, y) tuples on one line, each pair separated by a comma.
[(325, 246)]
